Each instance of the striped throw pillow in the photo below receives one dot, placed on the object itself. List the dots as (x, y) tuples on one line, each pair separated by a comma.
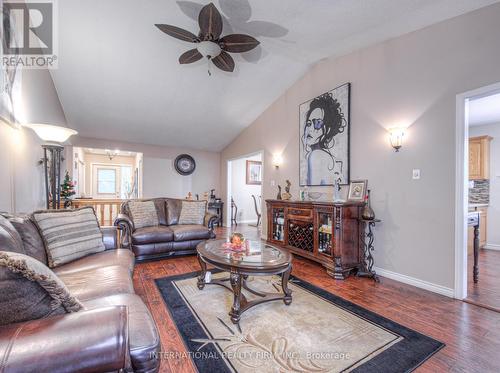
[(69, 234), (193, 212), (143, 213)]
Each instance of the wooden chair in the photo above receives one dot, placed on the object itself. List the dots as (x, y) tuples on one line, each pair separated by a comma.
[(256, 205), (234, 212)]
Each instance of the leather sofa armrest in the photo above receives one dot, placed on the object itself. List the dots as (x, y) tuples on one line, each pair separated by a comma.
[(210, 220), (110, 237), (126, 227), (85, 341)]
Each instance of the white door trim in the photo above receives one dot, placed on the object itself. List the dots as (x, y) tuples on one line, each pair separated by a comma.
[(228, 184), (461, 185)]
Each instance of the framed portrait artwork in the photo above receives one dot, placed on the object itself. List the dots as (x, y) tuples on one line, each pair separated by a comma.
[(254, 173), (324, 125), (357, 190)]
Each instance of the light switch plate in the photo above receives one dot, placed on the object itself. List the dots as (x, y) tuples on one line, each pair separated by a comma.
[(273, 183), (416, 174)]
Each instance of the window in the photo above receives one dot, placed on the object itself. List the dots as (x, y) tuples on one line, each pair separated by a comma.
[(106, 181)]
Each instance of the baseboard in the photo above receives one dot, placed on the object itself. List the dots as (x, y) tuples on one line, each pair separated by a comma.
[(415, 282), (247, 221), (490, 246)]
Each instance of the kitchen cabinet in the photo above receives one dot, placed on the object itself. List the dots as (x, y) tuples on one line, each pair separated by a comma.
[(479, 157), (483, 231)]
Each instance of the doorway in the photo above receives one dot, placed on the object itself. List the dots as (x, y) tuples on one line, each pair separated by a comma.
[(244, 193), (107, 174), (111, 181), (477, 255)]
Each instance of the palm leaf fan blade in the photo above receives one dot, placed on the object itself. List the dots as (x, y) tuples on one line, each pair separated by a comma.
[(190, 56), (224, 62), (239, 43), (178, 33), (210, 22)]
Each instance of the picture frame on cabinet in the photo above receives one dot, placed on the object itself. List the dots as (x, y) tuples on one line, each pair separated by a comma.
[(357, 190)]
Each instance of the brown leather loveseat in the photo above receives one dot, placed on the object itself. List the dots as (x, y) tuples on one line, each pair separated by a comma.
[(168, 238), (114, 331)]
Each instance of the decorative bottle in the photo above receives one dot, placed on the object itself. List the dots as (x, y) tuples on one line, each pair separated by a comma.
[(368, 213)]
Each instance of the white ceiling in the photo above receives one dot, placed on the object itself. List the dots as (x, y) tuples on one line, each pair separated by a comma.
[(118, 75), (484, 110)]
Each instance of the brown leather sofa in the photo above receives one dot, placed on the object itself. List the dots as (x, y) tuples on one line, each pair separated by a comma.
[(114, 332), (168, 238)]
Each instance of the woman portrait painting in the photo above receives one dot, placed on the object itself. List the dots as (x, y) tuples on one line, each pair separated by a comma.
[(324, 139)]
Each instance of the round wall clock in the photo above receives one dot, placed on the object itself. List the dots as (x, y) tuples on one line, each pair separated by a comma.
[(184, 164)]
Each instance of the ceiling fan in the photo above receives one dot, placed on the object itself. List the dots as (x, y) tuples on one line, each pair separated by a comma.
[(209, 42)]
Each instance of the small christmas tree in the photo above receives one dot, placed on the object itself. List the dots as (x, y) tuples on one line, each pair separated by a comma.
[(67, 189)]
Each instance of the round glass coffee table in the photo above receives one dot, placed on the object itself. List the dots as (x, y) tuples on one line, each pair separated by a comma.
[(254, 258)]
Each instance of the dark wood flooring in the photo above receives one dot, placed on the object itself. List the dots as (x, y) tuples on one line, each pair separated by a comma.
[(487, 291), (471, 333)]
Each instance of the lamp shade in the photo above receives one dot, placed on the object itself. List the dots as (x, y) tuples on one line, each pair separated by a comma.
[(50, 133), (209, 49), (396, 137), (277, 160)]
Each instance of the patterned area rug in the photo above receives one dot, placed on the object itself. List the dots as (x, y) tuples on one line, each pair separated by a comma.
[(319, 332)]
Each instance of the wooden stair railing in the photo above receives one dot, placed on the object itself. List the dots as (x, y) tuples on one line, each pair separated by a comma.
[(106, 209)]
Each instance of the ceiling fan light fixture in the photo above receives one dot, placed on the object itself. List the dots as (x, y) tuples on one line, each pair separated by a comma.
[(209, 49), (209, 42)]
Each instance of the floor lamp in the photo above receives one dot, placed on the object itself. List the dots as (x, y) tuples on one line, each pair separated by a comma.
[(53, 136)]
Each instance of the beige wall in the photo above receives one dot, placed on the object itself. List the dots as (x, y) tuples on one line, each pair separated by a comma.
[(22, 188), (412, 79), (159, 176)]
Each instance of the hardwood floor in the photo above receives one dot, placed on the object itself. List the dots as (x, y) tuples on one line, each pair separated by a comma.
[(487, 291), (471, 333)]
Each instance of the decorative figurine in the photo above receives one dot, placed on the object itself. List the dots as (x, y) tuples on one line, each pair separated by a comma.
[(279, 192), (205, 196), (237, 239), (336, 191), (189, 196), (287, 196)]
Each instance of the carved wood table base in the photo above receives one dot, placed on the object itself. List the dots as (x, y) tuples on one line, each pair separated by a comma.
[(237, 281)]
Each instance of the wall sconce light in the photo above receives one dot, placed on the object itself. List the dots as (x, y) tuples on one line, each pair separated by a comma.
[(277, 160), (396, 136)]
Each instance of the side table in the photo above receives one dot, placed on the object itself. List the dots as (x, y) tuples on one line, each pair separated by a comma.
[(367, 238)]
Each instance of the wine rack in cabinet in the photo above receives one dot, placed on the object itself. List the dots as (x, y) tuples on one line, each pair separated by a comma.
[(328, 233)]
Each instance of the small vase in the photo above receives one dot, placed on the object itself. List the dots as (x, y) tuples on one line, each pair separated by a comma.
[(368, 213)]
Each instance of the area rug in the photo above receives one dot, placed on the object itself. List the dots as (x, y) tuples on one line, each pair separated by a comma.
[(319, 332)]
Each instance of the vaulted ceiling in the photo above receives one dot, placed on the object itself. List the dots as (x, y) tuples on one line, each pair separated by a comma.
[(119, 76)]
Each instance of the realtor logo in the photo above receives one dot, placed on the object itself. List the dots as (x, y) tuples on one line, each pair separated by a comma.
[(28, 34)]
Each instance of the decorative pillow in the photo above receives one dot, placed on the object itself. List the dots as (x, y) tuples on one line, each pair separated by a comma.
[(29, 290), (174, 207), (143, 213), (32, 241), (193, 212), (69, 234)]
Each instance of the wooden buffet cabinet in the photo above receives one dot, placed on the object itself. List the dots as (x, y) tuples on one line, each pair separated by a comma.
[(328, 233)]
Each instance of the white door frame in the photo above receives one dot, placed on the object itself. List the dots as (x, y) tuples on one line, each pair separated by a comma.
[(228, 183), (462, 185)]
